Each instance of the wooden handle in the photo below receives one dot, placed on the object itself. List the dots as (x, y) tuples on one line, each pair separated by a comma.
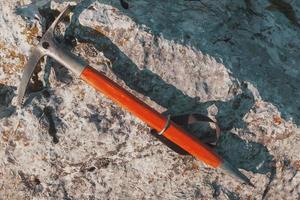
[(150, 116)]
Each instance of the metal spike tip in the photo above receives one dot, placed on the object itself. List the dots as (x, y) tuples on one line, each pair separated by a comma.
[(235, 173)]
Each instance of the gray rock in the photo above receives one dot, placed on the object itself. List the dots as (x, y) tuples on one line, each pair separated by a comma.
[(235, 61)]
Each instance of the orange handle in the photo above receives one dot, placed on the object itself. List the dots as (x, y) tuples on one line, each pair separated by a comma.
[(150, 116)]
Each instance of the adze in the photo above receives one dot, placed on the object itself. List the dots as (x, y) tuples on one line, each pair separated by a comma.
[(164, 126)]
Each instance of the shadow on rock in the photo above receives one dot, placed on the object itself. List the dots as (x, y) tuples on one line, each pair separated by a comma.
[(253, 44), (6, 95), (249, 156)]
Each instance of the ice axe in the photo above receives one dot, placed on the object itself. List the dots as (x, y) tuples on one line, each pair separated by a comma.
[(164, 126)]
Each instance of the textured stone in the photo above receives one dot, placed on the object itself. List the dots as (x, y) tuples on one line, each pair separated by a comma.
[(236, 61)]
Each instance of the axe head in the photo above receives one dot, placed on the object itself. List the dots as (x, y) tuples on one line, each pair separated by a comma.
[(48, 47)]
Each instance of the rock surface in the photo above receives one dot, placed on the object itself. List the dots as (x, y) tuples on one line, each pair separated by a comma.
[(236, 61)]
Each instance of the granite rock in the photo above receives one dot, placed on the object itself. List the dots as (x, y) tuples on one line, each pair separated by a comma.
[(235, 61)]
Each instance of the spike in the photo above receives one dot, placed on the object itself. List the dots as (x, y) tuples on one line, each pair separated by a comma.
[(235, 173)]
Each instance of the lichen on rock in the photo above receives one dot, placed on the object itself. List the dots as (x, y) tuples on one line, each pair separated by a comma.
[(233, 61)]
